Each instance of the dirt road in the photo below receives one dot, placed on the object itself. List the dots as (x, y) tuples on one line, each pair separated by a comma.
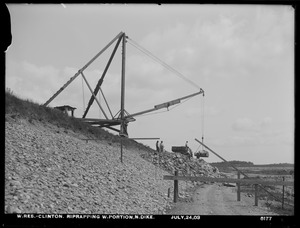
[(217, 199)]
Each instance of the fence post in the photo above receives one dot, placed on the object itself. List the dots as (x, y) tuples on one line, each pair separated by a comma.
[(239, 188), (256, 195), (282, 194), (121, 149), (176, 188)]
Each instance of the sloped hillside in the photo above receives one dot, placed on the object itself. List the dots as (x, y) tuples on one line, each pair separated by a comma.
[(49, 168)]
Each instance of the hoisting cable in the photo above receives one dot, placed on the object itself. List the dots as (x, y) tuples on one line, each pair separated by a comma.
[(153, 57), (202, 119), (198, 148), (149, 54)]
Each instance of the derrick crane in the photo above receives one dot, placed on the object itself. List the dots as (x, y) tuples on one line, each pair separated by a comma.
[(122, 118)]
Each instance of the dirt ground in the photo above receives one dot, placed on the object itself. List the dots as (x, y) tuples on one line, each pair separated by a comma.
[(217, 199)]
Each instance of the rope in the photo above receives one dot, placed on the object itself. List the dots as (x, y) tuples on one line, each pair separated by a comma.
[(156, 59), (202, 120), (198, 148)]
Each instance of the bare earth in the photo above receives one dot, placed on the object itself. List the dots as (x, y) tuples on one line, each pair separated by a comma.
[(217, 199)]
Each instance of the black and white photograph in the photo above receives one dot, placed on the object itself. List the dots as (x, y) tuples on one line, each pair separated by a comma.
[(150, 111)]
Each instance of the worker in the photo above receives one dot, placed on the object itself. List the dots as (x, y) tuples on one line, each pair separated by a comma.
[(157, 146), (189, 151), (161, 146)]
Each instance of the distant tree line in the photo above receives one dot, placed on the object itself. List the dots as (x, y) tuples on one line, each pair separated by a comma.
[(278, 165), (234, 163), (249, 164)]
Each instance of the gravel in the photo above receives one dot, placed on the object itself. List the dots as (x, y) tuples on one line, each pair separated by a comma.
[(49, 169)]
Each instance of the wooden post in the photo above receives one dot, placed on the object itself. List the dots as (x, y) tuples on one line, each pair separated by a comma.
[(122, 112), (256, 195), (121, 150), (239, 188), (176, 188), (282, 206)]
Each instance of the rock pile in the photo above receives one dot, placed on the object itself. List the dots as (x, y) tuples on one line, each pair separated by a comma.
[(186, 166), (49, 169)]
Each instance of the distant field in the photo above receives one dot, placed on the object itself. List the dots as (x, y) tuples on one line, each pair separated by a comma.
[(270, 173), (266, 170)]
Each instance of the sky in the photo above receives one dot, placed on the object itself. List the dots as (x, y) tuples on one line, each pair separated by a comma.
[(242, 56)]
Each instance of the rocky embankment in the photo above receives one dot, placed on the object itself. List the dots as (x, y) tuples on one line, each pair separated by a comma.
[(49, 169), (186, 166)]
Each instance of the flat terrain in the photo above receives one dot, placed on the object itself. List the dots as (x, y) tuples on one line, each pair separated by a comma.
[(217, 199)]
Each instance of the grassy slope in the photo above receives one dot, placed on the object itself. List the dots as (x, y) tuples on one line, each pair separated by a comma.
[(26, 109)]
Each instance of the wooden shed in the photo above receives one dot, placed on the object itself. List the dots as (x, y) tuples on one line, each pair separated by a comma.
[(66, 109)]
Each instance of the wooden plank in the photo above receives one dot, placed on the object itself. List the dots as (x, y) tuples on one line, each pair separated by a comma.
[(87, 120), (229, 180), (101, 124), (167, 104), (111, 128)]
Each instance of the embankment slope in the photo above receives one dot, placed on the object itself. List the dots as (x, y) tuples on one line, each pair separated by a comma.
[(50, 169)]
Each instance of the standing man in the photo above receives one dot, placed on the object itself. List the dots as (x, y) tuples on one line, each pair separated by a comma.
[(157, 146), (189, 151), (161, 146)]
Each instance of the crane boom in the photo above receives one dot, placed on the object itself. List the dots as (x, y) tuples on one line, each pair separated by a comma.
[(165, 104)]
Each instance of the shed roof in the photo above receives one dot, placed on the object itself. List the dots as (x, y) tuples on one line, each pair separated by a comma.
[(65, 107)]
